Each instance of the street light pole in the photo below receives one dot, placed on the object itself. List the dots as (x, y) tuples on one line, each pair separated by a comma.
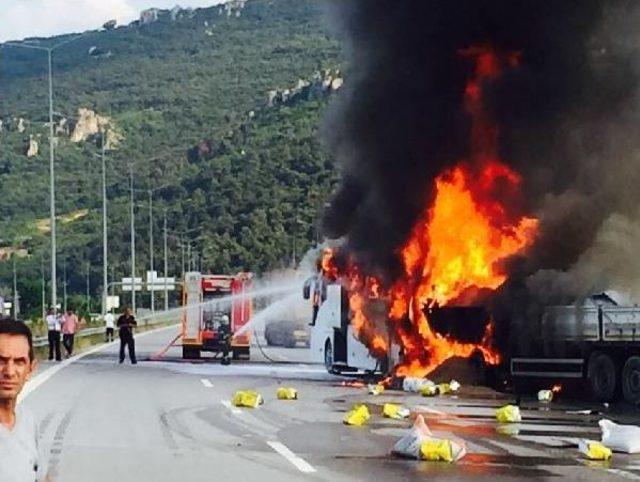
[(43, 287), (166, 264), (52, 191), (152, 288), (15, 288), (133, 245), (52, 182), (105, 277)]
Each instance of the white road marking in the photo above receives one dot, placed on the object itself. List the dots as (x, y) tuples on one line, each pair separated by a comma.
[(234, 410), (206, 383), (37, 381), (623, 473), (301, 464)]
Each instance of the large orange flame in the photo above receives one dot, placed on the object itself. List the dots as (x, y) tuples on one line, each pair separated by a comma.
[(457, 247)]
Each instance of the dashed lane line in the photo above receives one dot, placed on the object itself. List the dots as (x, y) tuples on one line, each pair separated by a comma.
[(233, 409), (301, 464), (206, 383)]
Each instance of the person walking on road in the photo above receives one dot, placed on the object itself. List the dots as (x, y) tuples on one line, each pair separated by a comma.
[(126, 323), (53, 334), (20, 457), (69, 329), (109, 323)]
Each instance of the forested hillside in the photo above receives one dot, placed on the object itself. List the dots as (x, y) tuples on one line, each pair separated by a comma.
[(217, 114)]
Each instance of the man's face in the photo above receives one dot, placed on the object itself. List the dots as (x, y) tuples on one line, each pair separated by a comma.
[(15, 366)]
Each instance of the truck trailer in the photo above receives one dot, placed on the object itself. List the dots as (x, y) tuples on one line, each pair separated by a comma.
[(596, 343)]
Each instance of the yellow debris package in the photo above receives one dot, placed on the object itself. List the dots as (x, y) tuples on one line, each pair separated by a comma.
[(441, 450), (358, 415), (444, 388), (287, 393), (428, 390), (247, 398), (508, 414), (376, 389), (393, 410), (594, 450)]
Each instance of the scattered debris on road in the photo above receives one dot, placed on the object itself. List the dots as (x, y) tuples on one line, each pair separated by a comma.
[(394, 410), (357, 416), (247, 398), (287, 393), (442, 450), (545, 396), (620, 438), (409, 444), (594, 450), (376, 389), (508, 414)]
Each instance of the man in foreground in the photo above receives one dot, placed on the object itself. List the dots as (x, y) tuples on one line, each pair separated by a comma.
[(19, 456), (126, 323)]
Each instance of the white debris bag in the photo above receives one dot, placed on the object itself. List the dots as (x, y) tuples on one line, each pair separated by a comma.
[(454, 385), (414, 384), (620, 438), (545, 395), (409, 444)]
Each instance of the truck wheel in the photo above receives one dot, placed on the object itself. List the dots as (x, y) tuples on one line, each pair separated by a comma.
[(602, 377), (328, 356), (631, 380)]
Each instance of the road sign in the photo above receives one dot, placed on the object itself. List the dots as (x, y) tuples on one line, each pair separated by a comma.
[(113, 303), (158, 284), (126, 284)]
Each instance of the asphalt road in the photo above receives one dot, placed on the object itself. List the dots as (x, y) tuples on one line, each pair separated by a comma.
[(172, 421)]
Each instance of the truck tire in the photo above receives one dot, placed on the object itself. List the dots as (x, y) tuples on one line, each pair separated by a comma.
[(602, 377), (631, 380), (328, 356), (190, 353)]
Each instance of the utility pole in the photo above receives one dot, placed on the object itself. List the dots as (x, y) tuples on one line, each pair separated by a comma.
[(105, 277), (64, 286), (89, 290), (182, 254), (166, 263), (43, 287), (15, 289), (52, 192), (133, 245), (152, 287), (189, 255)]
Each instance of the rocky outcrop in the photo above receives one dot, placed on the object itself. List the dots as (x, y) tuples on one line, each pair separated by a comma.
[(90, 125), (233, 8), (149, 15), (21, 123), (320, 85), (33, 148)]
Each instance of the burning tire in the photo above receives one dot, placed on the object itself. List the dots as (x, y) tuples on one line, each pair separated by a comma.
[(328, 356), (631, 380), (602, 377)]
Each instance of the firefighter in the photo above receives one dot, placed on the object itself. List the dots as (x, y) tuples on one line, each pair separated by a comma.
[(225, 334)]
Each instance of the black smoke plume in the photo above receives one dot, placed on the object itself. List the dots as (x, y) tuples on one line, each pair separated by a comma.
[(567, 116)]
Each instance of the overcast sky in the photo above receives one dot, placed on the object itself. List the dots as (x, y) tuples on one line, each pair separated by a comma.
[(42, 18)]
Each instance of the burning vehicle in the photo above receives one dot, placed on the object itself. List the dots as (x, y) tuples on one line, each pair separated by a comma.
[(474, 219)]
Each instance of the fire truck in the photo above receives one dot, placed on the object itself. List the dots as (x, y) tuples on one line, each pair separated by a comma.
[(216, 307)]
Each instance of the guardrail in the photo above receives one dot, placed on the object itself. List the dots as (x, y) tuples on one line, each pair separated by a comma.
[(41, 341)]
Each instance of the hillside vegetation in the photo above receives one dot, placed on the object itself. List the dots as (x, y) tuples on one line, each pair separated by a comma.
[(244, 177)]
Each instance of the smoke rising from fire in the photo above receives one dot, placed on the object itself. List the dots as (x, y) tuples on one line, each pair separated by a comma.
[(567, 120)]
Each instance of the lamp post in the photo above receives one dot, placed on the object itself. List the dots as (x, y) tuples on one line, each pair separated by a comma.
[(52, 184)]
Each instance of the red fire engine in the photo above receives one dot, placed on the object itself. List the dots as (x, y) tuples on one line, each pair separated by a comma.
[(216, 307)]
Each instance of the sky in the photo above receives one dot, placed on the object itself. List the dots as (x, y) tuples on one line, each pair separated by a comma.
[(43, 18)]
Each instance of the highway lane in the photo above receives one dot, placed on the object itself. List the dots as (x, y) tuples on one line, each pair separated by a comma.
[(169, 420)]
